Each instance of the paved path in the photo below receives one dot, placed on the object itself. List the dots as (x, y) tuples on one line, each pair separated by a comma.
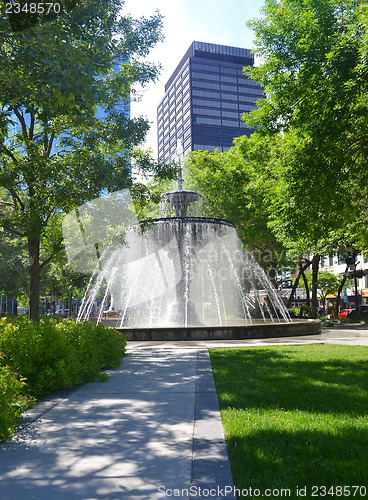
[(153, 428), (152, 431)]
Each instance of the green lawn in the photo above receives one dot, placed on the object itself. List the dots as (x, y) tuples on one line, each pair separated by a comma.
[(295, 416)]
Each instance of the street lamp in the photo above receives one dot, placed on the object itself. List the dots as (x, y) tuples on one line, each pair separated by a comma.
[(351, 262)]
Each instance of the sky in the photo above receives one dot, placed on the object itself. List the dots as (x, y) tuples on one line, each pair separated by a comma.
[(214, 21)]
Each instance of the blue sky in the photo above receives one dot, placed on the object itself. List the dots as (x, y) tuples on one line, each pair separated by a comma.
[(214, 21)]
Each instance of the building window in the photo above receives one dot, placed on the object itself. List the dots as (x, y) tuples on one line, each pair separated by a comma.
[(225, 69), (206, 85), (206, 111), (186, 133), (207, 121), (186, 106), (229, 79), (230, 114), (246, 98), (230, 97), (229, 105), (229, 88), (203, 93), (341, 260), (205, 76), (204, 147), (205, 67), (204, 102), (230, 131), (228, 123), (198, 139), (249, 107)]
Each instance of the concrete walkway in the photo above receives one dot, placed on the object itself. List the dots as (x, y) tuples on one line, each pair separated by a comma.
[(153, 428), (152, 431)]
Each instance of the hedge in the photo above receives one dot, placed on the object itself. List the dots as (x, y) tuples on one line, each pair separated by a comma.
[(39, 358)]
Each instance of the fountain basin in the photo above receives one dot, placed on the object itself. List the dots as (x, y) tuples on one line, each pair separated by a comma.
[(256, 330)]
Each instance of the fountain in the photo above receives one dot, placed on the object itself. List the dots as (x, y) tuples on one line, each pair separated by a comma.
[(176, 277)]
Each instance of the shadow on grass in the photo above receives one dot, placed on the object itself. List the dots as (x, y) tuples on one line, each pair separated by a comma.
[(282, 459)]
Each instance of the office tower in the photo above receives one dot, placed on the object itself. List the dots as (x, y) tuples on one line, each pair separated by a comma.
[(205, 99)]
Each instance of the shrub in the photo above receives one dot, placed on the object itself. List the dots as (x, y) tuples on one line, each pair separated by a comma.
[(56, 354), (13, 401)]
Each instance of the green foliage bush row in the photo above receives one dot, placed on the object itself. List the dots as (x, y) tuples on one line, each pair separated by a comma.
[(50, 355), (13, 401)]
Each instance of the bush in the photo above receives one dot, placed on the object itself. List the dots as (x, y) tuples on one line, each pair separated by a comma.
[(56, 354), (13, 401)]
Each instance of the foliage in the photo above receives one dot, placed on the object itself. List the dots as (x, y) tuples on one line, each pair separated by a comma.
[(13, 266), (55, 354), (294, 415), (327, 283), (231, 185), (61, 282), (65, 136), (314, 71), (13, 401)]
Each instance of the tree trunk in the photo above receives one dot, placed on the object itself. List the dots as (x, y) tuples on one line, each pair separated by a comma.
[(35, 277), (315, 267), (343, 281), (296, 282), (70, 301), (306, 286), (9, 303), (272, 274)]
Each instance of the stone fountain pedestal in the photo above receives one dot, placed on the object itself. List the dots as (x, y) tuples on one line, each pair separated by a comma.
[(256, 330)]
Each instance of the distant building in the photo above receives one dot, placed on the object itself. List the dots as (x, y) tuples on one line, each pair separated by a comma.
[(205, 99), (337, 265)]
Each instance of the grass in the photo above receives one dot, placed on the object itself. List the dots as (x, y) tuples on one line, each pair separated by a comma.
[(295, 416)]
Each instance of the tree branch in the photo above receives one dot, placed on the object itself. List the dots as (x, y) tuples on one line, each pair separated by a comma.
[(15, 232), (58, 153), (9, 153), (31, 127), (22, 121), (49, 146), (51, 256), (16, 198)]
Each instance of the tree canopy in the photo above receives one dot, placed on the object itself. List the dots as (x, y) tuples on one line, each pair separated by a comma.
[(65, 134), (314, 72), (235, 189)]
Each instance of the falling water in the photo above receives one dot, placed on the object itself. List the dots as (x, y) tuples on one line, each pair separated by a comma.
[(179, 270), (182, 271)]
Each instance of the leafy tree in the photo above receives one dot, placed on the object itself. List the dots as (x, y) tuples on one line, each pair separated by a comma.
[(60, 282), (314, 72), (64, 131), (327, 283), (13, 268), (315, 76), (230, 184)]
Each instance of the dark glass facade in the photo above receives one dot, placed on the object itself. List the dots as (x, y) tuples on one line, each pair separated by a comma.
[(205, 99)]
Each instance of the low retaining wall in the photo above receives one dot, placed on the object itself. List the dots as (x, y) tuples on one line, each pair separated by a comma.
[(233, 332)]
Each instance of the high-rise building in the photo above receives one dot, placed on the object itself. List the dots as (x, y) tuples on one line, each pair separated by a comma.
[(205, 99)]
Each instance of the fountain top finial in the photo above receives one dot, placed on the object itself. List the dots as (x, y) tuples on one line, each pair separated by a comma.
[(179, 154), (180, 199)]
